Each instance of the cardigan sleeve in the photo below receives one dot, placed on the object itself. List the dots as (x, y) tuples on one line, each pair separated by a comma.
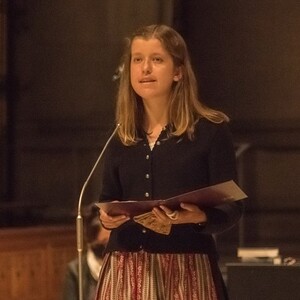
[(222, 167)]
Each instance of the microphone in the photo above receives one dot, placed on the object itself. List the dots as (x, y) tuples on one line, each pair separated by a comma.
[(79, 219)]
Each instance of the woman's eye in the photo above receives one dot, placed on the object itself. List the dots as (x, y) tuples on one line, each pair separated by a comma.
[(136, 59), (157, 59)]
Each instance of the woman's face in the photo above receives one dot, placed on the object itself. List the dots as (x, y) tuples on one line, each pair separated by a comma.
[(152, 71)]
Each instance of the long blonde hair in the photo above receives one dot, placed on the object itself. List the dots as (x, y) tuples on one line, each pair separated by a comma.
[(185, 109)]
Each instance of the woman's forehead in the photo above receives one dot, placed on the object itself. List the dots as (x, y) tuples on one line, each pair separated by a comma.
[(140, 44)]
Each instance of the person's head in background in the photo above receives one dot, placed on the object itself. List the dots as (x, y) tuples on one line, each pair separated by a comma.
[(96, 236)]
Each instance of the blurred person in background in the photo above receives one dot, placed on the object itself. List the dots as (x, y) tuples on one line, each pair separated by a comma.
[(96, 238)]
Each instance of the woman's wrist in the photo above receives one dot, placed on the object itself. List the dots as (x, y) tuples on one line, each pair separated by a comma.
[(203, 220)]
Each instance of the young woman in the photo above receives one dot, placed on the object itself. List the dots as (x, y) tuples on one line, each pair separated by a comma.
[(168, 143)]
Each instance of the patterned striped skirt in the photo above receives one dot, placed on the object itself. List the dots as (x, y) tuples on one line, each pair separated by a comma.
[(151, 276)]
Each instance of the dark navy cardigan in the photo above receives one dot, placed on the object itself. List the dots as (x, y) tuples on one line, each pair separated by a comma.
[(174, 166)]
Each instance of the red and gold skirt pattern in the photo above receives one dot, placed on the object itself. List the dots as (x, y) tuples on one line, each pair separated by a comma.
[(152, 276)]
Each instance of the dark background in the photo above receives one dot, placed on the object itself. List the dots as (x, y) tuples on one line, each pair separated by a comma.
[(57, 102)]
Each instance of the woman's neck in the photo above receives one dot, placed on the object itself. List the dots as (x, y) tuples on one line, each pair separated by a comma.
[(156, 115), (154, 123), (153, 127)]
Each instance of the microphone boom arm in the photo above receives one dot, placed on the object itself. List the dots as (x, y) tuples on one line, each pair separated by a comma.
[(79, 219)]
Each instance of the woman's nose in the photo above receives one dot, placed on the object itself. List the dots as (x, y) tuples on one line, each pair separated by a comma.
[(147, 66)]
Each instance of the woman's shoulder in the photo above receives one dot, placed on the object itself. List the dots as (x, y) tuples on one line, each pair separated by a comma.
[(115, 144), (207, 125), (210, 131)]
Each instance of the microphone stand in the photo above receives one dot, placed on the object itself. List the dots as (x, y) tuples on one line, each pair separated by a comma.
[(79, 219)]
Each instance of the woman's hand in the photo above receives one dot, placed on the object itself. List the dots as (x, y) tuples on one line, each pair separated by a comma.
[(110, 222), (189, 213)]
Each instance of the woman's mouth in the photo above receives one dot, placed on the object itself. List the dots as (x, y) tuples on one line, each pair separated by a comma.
[(147, 80)]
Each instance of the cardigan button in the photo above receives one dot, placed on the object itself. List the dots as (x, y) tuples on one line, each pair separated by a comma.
[(147, 176), (158, 143), (147, 194), (147, 156), (144, 230)]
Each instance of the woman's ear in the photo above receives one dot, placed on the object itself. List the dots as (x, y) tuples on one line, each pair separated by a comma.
[(178, 74)]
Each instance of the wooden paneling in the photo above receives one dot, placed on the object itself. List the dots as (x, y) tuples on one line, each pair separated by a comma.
[(3, 106), (33, 262), (246, 56), (61, 94)]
